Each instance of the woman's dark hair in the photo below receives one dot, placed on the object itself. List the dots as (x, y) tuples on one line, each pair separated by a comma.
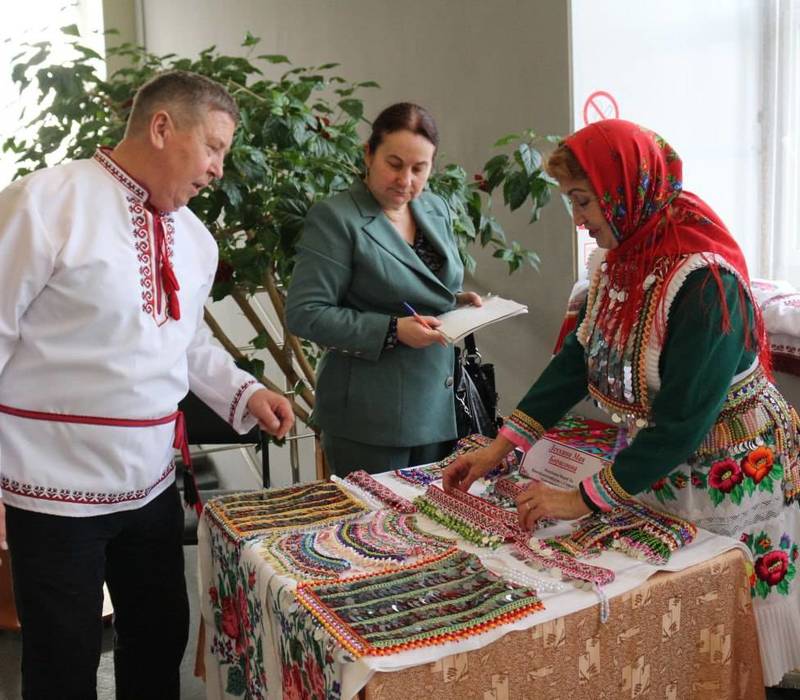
[(403, 116)]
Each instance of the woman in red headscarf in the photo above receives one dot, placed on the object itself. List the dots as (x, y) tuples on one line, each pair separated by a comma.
[(671, 344)]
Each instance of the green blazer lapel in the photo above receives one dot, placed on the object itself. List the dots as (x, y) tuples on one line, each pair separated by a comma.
[(433, 225), (384, 234)]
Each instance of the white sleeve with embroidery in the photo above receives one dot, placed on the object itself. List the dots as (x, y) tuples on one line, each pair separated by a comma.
[(218, 382), (27, 259)]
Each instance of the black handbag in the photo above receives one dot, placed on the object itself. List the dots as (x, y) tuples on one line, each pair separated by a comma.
[(474, 392)]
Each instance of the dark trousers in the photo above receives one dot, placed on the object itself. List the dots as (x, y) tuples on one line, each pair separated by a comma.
[(345, 456), (59, 565)]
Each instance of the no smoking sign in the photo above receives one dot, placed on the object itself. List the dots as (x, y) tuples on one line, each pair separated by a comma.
[(598, 106)]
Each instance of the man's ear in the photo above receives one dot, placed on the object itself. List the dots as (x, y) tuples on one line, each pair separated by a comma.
[(161, 128)]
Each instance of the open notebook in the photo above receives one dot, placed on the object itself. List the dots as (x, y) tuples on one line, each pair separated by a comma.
[(467, 319)]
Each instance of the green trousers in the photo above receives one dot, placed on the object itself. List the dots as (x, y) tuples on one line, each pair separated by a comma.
[(345, 456)]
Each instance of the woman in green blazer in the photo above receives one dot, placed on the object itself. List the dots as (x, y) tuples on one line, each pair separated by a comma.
[(384, 396)]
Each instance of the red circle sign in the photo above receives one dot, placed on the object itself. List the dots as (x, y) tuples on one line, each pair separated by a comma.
[(598, 106)]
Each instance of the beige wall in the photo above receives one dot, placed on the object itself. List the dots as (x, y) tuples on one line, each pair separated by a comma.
[(482, 68)]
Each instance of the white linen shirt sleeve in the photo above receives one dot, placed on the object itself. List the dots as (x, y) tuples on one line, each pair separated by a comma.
[(217, 381), (27, 260)]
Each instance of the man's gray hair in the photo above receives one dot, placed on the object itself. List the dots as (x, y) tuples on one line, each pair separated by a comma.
[(186, 96)]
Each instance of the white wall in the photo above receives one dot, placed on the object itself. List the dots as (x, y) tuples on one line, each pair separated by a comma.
[(692, 72), (483, 69)]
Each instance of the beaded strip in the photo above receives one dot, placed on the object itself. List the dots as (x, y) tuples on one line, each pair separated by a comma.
[(561, 565), (508, 490), (384, 494), (441, 599), (636, 530), (419, 476), (474, 518), (308, 506), (379, 538)]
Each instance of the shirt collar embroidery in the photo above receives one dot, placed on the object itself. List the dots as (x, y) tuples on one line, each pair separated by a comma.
[(103, 157)]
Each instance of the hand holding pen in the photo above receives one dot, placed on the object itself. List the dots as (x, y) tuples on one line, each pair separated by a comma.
[(418, 331)]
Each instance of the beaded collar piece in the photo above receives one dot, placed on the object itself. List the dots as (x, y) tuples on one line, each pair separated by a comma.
[(379, 540), (474, 518), (246, 515), (634, 529), (442, 599)]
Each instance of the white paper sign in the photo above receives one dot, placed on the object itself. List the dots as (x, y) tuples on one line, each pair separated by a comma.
[(560, 465)]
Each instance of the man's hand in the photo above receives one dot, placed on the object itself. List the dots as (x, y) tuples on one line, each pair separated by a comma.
[(464, 470), (540, 501), (273, 411), (3, 541)]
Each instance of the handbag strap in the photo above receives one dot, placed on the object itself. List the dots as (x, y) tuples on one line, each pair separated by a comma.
[(471, 354)]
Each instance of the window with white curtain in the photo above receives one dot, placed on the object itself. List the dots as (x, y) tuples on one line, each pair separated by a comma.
[(30, 22), (781, 215), (720, 81)]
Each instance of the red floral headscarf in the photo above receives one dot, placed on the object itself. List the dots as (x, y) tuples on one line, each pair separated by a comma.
[(638, 179)]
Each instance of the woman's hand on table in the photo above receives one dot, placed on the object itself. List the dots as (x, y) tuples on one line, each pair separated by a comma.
[(414, 334), (471, 298), (467, 468), (540, 501)]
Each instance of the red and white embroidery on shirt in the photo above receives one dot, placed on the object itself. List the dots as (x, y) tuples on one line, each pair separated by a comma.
[(148, 254)]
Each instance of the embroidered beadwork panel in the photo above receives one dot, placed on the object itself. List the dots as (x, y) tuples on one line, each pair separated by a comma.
[(442, 599), (250, 514)]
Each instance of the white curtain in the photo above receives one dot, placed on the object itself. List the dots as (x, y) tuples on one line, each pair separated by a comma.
[(780, 230)]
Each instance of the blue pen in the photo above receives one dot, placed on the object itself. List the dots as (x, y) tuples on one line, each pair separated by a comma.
[(416, 316)]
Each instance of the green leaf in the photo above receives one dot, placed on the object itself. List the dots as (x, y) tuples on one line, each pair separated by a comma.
[(505, 140), (71, 30), (274, 58), (762, 588), (353, 107), (749, 486), (250, 40), (783, 586), (236, 683), (736, 494), (716, 496), (368, 84), (515, 190), (765, 484), (529, 158)]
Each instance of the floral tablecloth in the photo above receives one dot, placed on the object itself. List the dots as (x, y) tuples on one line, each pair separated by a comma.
[(692, 629)]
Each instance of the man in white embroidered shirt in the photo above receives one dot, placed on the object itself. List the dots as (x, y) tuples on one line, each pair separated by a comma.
[(103, 276)]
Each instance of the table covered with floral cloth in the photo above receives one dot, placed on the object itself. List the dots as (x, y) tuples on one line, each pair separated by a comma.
[(288, 613)]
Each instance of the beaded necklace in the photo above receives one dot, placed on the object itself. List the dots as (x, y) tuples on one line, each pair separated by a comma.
[(444, 598), (634, 529), (298, 555), (378, 539), (384, 494), (563, 566), (245, 515)]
